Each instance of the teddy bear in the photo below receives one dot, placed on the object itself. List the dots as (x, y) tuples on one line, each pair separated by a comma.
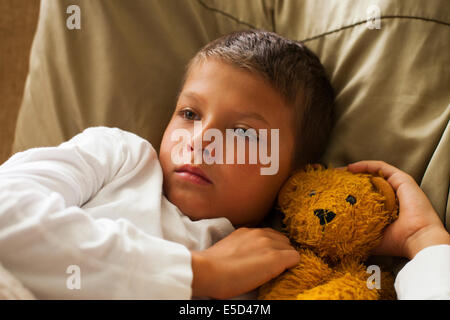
[(333, 218)]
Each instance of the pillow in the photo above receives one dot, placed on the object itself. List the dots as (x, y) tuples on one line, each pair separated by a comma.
[(123, 68)]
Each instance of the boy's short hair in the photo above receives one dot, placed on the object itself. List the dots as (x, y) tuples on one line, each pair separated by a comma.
[(294, 71)]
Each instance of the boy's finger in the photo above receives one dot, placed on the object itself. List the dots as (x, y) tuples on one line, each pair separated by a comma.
[(276, 235), (281, 245), (393, 175), (373, 166), (290, 258)]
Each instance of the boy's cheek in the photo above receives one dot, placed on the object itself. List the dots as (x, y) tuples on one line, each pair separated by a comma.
[(165, 154)]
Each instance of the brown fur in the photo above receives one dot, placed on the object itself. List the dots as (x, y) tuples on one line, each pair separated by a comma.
[(333, 236)]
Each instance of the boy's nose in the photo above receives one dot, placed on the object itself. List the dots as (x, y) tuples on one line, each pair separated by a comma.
[(203, 152)]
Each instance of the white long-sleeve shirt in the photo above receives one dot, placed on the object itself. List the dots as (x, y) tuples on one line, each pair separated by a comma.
[(96, 203), (93, 207), (426, 276)]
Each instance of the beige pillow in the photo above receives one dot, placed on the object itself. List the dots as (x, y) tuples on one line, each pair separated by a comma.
[(124, 66)]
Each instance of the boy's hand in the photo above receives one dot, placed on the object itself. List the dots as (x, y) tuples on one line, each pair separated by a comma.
[(241, 262), (418, 225)]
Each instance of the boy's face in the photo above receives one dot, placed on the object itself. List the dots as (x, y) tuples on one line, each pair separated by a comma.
[(224, 97)]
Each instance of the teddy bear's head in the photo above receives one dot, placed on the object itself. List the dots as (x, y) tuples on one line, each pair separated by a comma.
[(336, 213)]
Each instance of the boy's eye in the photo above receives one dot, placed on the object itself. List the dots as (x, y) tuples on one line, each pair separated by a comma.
[(240, 131), (188, 114), (251, 133)]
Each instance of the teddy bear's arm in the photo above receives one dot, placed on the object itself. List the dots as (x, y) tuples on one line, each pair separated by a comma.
[(345, 287), (309, 272), (350, 282)]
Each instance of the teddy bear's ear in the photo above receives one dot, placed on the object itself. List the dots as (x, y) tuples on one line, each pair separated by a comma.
[(314, 166), (386, 190)]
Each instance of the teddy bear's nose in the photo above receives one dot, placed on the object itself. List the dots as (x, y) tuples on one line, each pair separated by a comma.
[(325, 216)]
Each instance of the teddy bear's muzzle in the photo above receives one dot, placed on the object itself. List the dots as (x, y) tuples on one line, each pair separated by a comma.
[(325, 216)]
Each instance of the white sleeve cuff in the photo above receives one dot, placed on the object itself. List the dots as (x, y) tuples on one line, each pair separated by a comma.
[(426, 276)]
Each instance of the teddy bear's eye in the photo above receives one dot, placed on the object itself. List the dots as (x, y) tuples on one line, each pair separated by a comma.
[(312, 193), (351, 200)]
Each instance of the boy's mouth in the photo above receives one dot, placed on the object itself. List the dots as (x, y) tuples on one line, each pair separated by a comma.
[(193, 174)]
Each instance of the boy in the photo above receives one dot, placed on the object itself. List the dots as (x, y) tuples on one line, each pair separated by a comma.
[(136, 227)]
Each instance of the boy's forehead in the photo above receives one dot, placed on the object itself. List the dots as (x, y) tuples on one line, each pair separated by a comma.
[(214, 73), (189, 94), (215, 81), (240, 112)]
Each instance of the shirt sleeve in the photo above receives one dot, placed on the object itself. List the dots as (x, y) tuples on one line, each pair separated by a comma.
[(426, 276), (58, 250)]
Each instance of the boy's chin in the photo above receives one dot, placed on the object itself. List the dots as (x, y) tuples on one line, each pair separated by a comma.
[(194, 211), (195, 215)]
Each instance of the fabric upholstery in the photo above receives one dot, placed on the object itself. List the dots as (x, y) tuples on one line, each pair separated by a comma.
[(18, 20)]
